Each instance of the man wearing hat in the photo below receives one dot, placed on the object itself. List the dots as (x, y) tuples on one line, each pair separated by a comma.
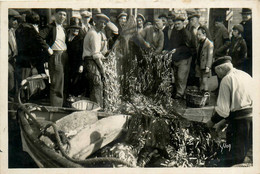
[(13, 17), (234, 107), (247, 35), (168, 32), (163, 17), (121, 19), (238, 48), (55, 37), (221, 39), (94, 49), (181, 57), (140, 19), (74, 42), (86, 17)]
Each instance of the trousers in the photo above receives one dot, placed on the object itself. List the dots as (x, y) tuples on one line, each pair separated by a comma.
[(181, 73), (58, 69)]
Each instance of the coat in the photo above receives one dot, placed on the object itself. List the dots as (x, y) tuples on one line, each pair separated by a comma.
[(31, 47), (206, 54), (247, 35), (167, 41), (221, 42), (238, 52)]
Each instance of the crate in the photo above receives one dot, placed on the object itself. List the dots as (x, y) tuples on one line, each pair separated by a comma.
[(85, 105), (196, 99)]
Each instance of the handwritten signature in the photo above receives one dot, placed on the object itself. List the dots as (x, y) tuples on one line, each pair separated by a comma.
[(225, 146)]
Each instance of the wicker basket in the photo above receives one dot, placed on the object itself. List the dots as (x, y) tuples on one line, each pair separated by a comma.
[(196, 99), (85, 105)]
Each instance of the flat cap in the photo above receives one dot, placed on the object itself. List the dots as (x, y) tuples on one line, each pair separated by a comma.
[(158, 23), (139, 15), (221, 60), (86, 13), (74, 27), (162, 16), (179, 18), (14, 13), (101, 16), (121, 14), (194, 14), (112, 27), (239, 28)]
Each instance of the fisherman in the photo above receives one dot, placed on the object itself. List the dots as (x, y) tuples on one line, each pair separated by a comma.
[(168, 32), (94, 49), (140, 22), (181, 56), (55, 37), (234, 107), (86, 17)]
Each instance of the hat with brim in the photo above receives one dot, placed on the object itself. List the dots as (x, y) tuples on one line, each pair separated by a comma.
[(121, 14), (101, 16), (74, 27), (221, 60), (112, 27), (139, 15), (14, 13), (179, 18), (246, 11), (86, 14), (194, 15), (239, 28)]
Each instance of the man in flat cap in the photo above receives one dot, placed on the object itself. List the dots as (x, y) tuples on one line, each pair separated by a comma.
[(86, 17), (13, 17), (247, 35), (221, 39), (181, 57), (238, 48), (163, 17), (234, 107), (55, 37), (168, 32), (94, 49), (140, 19), (122, 19)]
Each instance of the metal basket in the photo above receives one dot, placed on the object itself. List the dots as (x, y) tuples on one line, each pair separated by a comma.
[(196, 99), (86, 105)]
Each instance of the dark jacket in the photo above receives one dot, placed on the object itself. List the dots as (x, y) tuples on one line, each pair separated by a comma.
[(247, 35), (238, 52), (75, 50), (49, 33), (167, 41), (221, 42), (31, 47), (181, 41)]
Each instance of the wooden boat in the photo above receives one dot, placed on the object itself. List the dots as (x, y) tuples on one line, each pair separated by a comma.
[(94, 131)]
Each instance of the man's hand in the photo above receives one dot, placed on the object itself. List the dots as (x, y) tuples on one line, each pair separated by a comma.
[(173, 51), (207, 70), (50, 51), (210, 124), (80, 69), (221, 125)]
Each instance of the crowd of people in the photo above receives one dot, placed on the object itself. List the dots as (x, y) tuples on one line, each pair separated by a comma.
[(76, 51), (73, 57)]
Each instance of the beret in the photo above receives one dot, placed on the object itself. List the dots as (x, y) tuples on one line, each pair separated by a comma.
[(221, 60), (239, 28), (121, 14), (139, 15)]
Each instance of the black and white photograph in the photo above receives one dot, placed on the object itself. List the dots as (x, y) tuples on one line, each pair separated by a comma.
[(133, 87)]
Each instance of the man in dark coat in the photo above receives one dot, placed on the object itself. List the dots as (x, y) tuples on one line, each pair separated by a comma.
[(168, 33), (181, 56), (32, 49), (221, 39), (55, 36), (247, 35)]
